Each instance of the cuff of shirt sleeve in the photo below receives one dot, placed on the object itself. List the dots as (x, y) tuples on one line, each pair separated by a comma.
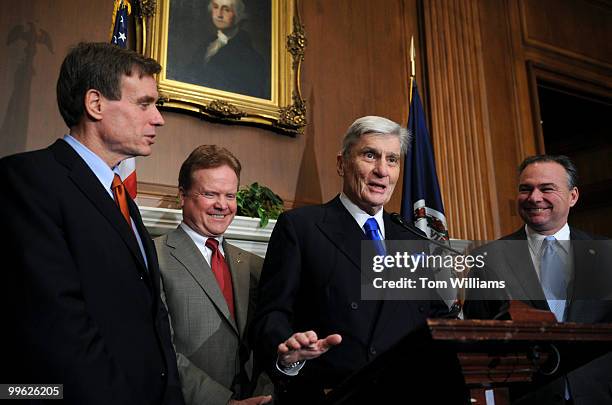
[(291, 370)]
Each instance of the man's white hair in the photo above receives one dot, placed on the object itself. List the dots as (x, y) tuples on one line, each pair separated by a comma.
[(372, 124)]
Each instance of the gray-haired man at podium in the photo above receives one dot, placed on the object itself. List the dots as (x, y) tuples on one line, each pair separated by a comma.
[(312, 328)]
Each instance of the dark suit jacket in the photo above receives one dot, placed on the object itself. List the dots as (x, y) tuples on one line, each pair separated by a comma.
[(591, 384), (311, 281), (84, 308)]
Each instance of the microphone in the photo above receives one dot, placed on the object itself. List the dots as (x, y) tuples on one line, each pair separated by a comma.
[(455, 309), (398, 219)]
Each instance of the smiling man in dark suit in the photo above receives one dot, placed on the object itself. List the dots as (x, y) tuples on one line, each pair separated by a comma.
[(82, 272), (312, 329), (553, 266)]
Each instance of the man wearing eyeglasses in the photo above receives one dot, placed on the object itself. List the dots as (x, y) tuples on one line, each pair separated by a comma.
[(209, 284)]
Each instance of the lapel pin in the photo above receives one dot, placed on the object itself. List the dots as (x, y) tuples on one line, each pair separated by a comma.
[(592, 251)]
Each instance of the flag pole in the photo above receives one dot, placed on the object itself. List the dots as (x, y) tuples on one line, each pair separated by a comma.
[(412, 58), (412, 75)]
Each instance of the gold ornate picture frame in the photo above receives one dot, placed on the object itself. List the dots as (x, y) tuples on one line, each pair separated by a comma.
[(174, 33)]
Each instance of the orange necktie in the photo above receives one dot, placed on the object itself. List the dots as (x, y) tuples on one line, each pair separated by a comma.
[(121, 198), (221, 272)]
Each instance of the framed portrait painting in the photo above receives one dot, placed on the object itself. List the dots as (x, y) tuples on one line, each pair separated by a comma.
[(228, 60)]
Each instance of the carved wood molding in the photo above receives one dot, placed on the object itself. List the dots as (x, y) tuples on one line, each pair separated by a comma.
[(459, 117), (530, 38)]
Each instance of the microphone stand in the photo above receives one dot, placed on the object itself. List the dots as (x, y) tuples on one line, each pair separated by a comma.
[(398, 219), (455, 309)]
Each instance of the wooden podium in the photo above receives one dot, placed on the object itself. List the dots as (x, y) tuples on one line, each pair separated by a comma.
[(449, 358)]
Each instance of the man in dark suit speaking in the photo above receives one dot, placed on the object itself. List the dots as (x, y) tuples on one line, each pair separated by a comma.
[(81, 272), (311, 328)]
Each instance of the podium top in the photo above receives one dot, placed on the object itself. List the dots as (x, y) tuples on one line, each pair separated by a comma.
[(533, 331)]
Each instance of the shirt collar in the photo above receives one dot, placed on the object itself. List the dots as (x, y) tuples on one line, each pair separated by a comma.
[(221, 37), (535, 239), (102, 171), (198, 239), (224, 37), (360, 215)]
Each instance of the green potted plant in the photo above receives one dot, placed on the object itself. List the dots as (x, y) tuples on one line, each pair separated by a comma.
[(259, 201)]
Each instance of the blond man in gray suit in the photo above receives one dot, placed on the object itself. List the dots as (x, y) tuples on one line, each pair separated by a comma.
[(209, 285)]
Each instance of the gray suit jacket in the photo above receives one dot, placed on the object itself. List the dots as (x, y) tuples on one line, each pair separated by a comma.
[(213, 358)]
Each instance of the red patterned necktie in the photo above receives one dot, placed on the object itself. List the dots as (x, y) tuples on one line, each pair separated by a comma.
[(119, 193), (222, 273)]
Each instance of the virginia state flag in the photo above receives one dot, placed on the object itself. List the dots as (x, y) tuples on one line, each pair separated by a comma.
[(421, 200), (119, 31)]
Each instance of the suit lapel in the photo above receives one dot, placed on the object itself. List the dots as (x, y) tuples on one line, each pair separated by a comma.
[(518, 258), (185, 251), (241, 278), (147, 244), (89, 185), (585, 258), (342, 230), (389, 308)]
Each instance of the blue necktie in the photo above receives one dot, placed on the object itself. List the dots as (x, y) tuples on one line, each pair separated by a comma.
[(372, 232), (553, 277)]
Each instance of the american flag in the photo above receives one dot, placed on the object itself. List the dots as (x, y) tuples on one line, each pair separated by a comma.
[(119, 30)]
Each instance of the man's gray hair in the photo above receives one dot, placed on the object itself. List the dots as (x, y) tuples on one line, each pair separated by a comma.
[(372, 124), (239, 10)]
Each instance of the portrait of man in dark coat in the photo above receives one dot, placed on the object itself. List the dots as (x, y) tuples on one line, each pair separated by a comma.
[(226, 58)]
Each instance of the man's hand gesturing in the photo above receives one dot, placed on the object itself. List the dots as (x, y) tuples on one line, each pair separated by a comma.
[(305, 346)]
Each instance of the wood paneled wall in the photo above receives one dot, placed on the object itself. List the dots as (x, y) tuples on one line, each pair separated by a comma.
[(477, 61), (483, 59), (460, 126), (34, 38), (356, 64)]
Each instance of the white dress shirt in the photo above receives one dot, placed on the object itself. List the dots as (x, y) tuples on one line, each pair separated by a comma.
[(361, 216), (200, 242)]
